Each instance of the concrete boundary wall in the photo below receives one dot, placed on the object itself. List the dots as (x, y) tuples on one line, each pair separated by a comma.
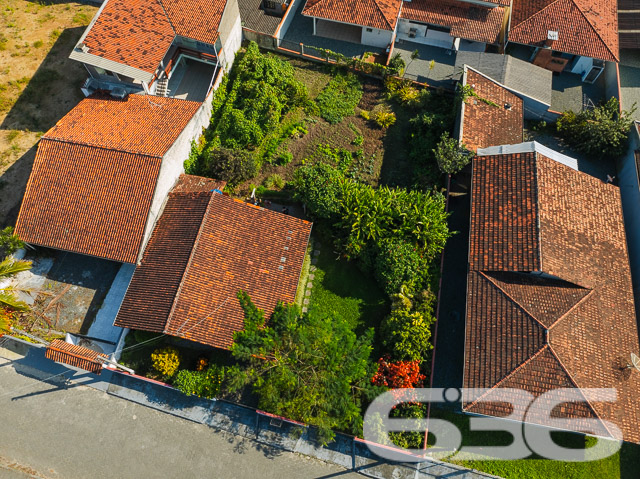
[(272, 431)]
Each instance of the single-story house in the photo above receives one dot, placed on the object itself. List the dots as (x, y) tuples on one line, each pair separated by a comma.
[(369, 22), (136, 45), (568, 35), (102, 174), (549, 293), (445, 23), (492, 116), (205, 248)]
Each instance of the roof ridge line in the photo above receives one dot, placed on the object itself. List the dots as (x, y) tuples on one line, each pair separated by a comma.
[(570, 376), (585, 18), (187, 267), (584, 298), (596, 31), (91, 145), (168, 18), (375, 2), (495, 386), (513, 300)]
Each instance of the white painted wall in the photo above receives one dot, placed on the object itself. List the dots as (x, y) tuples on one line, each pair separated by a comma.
[(582, 66), (230, 33), (173, 165), (425, 36), (376, 38)]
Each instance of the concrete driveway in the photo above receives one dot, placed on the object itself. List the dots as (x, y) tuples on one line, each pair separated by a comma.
[(50, 431)]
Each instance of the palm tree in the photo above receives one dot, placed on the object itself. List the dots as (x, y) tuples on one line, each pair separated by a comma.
[(8, 268)]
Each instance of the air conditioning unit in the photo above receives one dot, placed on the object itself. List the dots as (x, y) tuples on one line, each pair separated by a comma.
[(413, 32)]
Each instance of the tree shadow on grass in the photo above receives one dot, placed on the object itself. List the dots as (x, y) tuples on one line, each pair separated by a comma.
[(53, 90), (13, 184)]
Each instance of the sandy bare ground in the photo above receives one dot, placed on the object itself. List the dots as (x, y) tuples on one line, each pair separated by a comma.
[(38, 84)]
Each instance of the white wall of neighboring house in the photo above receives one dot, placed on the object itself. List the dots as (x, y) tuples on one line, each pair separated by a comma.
[(582, 66), (425, 36), (376, 38), (230, 33), (173, 165)]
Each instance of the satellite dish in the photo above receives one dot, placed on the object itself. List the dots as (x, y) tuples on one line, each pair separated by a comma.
[(635, 362)]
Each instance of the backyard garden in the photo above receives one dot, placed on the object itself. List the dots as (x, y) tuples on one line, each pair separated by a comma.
[(367, 159)]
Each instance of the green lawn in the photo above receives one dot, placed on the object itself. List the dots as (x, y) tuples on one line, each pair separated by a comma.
[(625, 464), (340, 288)]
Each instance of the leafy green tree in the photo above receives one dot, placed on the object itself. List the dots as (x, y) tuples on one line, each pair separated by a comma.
[(407, 335), (451, 155), (10, 267), (304, 367), (319, 187), (602, 131), (399, 263), (232, 166)]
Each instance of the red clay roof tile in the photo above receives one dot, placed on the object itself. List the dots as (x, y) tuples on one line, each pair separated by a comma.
[(486, 125), (585, 27), (138, 124), (469, 21), (139, 33), (77, 356), (95, 174), (236, 246), (583, 302), (380, 14)]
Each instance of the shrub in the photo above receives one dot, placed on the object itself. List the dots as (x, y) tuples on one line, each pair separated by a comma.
[(365, 114), (358, 140), (340, 97), (9, 242), (204, 384), (166, 361), (274, 181), (397, 65), (319, 187), (601, 131), (285, 158), (398, 374), (232, 166), (398, 263), (407, 335), (451, 155), (384, 119)]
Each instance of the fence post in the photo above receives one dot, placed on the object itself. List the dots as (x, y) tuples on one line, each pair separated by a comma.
[(301, 48)]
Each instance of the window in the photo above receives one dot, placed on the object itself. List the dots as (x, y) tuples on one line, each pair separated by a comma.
[(269, 4), (370, 30)]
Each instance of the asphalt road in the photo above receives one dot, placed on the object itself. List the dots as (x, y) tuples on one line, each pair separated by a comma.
[(48, 430)]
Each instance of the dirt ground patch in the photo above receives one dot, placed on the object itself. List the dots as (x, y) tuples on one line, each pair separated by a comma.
[(38, 84)]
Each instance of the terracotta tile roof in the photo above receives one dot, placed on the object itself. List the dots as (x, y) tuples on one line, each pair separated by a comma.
[(139, 33), (133, 32), (95, 174), (380, 14), (585, 27), (88, 200), (505, 238), (230, 246), (76, 356), (562, 317), (197, 184), (485, 125), (195, 19), (469, 21), (137, 124)]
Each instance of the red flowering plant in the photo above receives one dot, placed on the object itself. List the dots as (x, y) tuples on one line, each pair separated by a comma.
[(399, 375)]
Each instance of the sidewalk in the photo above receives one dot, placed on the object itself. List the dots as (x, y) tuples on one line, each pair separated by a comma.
[(273, 434)]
